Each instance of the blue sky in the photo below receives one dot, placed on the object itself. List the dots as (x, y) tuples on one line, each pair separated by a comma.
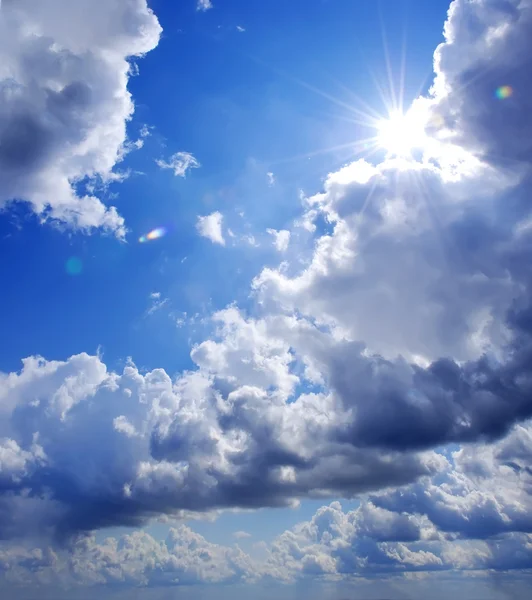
[(232, 99), (337, 310)]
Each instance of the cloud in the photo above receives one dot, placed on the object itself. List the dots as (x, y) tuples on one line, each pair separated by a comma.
[(157, 303), (210, 227), (485, 491), (487, 47), (241, 535), (368, 542), (371, 542), (204, 5), (407, 330), (64, 102), (184, 558), (411, 325), (99, 449), (179, 163), (281, 239)]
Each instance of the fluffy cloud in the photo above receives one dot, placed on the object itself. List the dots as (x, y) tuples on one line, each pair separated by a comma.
[(204, 5), (96, 448), (486, 493), (179, 163), (64, 101), (184, 558), (408, 329), (281, 239), (487, 47), (241, 535), (372, 541), (210, 227), (366, 542)]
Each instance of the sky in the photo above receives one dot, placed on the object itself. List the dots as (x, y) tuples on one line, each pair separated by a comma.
[(266, 312)]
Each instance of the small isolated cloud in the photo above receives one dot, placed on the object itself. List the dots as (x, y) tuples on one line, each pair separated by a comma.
[(281, 239), (204, 5), (179, 163), (145, 131), (251, 240), (271, 179), (157, 302), (210, 227), (241, 535), (240, 28)]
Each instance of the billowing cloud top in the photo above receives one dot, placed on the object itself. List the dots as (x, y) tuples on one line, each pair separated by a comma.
[(64, 101)]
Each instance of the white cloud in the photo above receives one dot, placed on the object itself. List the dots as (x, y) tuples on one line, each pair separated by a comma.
[(210, 227), (140, 445), (64, 102), (179, 163), (410, 322), (281, 239), (240, 28), (157, 303), (204, 5), (241, 535), (184, 558), (250, 240)]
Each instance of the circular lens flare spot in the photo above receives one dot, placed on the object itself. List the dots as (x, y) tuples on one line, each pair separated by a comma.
[(504, 92), (74, 266)]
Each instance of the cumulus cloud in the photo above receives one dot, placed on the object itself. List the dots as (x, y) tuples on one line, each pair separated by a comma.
[(487, 47), (98, 448), (408, 329), (210, 227), (179, 163), (241, 535), (485, 491), (204, 5), (281, 239), (184, 558), (365, 542), (64, 102)]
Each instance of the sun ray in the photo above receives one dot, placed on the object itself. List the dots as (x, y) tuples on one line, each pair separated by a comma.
[(402, 74), (370, 142), (389, 70), (312, 88), (371, 111)]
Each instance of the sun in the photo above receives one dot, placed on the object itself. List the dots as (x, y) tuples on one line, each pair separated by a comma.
[(402, 133)]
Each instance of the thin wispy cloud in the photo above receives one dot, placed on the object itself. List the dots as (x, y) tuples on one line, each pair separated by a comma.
[(179, 163)]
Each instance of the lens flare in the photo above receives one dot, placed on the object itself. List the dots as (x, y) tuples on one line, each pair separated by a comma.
[(155, 234), (74, 266), (504, 92)]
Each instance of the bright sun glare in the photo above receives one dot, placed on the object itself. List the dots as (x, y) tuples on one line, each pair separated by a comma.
[(401, 134)]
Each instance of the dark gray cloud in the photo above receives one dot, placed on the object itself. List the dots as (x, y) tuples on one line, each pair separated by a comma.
[(488, 47), (484, 494), (97, 449)]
